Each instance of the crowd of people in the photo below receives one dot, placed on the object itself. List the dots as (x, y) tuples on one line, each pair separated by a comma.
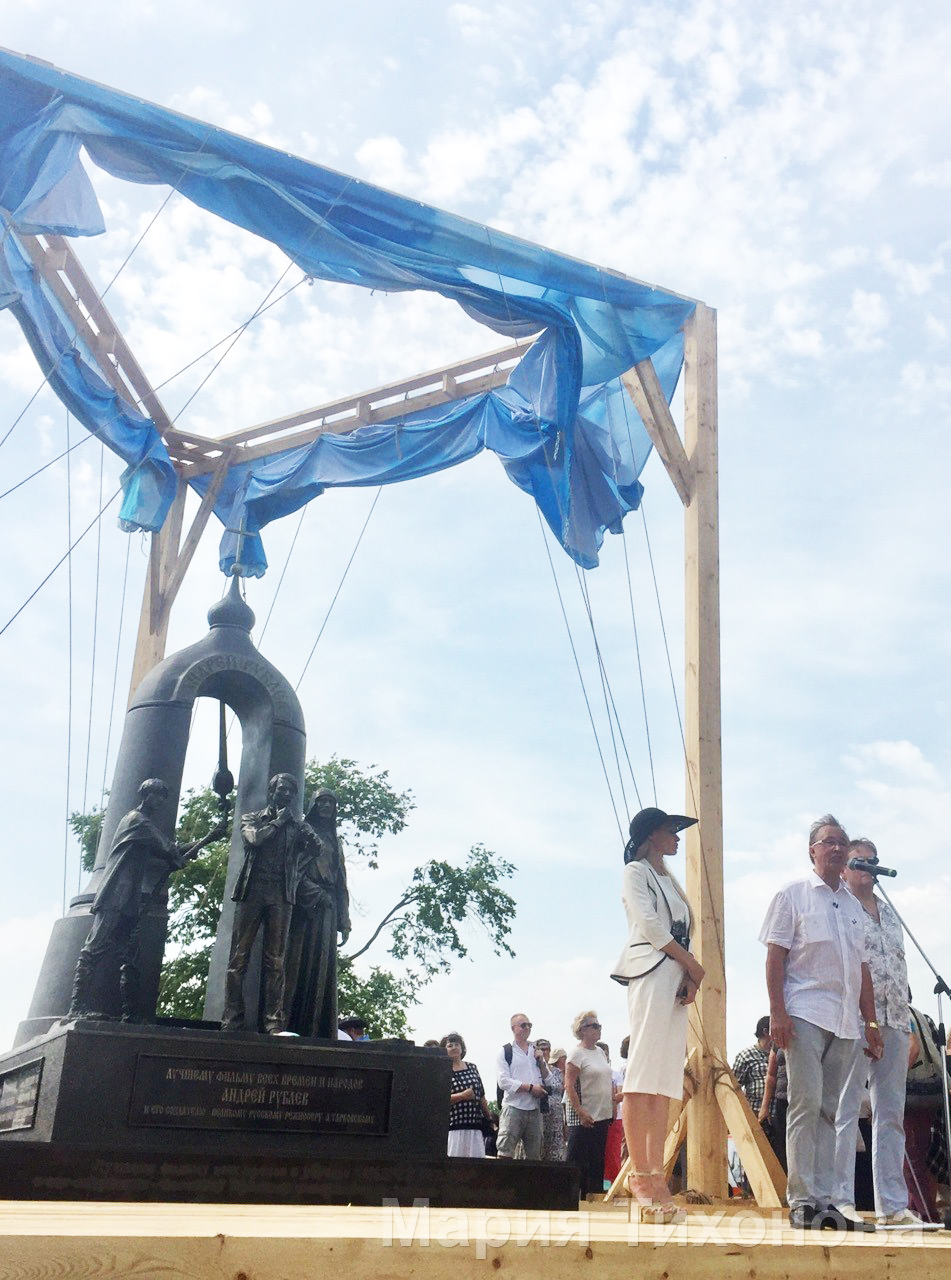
[(840, 1035), (553, 1104)]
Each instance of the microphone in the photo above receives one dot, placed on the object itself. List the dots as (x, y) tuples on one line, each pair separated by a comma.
[(873, 868)]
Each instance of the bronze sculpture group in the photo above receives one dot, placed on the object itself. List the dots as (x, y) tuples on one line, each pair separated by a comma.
[(292, 886)]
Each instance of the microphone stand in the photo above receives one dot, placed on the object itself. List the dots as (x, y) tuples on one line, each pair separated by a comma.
[(941, 988)]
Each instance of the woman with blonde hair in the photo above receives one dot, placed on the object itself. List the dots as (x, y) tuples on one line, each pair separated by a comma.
[(589, 1098), (662, 978)]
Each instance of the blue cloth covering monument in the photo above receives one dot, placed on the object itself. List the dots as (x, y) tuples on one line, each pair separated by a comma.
[(563, 426)]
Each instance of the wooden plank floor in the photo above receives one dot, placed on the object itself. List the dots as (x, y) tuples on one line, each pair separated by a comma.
[(245, 1242)]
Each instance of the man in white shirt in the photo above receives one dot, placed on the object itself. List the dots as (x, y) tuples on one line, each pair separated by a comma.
[(818, 983), (520, 1069)]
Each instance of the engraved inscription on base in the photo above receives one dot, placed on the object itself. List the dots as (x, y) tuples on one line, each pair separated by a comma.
[(19, 1094), (202, 1093)]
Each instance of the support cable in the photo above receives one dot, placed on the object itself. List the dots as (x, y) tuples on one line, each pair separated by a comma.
[(663, 630), (38, 589), (92, 664), (115, 676), (626, 403), (640, 665), (339, 588), (236, 332), (608, 701), (90, 435), (610, 705), (584, 691), (693, 795), (280, 581), (69, 655)]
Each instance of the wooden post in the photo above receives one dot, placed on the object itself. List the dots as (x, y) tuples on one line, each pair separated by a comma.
[(706, 1133), (156, 604), (168, 564)]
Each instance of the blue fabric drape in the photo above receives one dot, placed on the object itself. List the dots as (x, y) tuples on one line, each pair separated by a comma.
[(562, 427)]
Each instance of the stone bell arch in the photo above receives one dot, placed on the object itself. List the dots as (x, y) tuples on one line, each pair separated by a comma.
[(224, 665)]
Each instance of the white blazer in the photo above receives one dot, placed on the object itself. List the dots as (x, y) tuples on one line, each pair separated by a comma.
[(649, 918)]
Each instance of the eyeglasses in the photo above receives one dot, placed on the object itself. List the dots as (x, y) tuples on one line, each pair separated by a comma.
[(591, 1026), (832, 843), (526, 1025)]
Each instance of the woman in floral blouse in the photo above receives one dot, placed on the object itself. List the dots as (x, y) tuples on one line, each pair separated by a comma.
[(885, 957)]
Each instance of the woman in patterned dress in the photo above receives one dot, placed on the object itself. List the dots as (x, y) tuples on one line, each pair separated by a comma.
[(553, 1120), (467, 1102)]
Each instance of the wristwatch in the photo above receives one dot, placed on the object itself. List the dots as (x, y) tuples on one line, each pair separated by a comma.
[(872, 1024)]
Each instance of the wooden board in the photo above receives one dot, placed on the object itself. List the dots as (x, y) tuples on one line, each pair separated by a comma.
[(225, 1242)]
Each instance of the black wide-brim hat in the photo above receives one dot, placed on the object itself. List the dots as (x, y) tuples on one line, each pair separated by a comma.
[(648, 821), (356, 1023)]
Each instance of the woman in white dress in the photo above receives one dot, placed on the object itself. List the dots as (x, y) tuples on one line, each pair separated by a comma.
[(662, 978)]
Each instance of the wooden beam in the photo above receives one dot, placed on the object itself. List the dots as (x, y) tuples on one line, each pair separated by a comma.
[(156, 605), (762, 1168), (66, 276), (179, 567), (676, 1135), (51, 266), (645, 390), (706, 1139)]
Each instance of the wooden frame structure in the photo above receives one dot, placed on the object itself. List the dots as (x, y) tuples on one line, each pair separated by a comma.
[(691, 464)]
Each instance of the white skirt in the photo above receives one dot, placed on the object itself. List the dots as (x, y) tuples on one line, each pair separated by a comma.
[(655, 1058), (468, 1143)]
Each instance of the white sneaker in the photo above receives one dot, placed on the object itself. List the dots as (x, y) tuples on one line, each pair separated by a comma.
[(900, 1218), (850, 1212)]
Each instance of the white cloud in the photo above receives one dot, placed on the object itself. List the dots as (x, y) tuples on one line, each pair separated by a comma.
[(867, 319), (936, 331), (937, 174), (384, 161), (912, 278)]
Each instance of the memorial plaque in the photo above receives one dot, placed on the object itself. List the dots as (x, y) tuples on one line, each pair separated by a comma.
[(19, 1093), (204, 1093)]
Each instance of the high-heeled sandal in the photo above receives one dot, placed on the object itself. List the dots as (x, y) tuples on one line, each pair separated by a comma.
[(640, 1188), (669, 1209)]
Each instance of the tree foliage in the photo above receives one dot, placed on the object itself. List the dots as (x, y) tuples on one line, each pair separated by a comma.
[(423, 930), (424, 924), (87, 828)]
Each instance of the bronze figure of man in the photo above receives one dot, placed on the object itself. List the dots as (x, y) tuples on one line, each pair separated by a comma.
[(118, 907), (275, 843)]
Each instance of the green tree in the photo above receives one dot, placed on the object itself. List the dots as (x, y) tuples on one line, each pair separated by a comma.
[(87, 828), (423, 930)]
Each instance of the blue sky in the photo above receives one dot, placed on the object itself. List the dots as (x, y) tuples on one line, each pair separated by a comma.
[(788, 165)]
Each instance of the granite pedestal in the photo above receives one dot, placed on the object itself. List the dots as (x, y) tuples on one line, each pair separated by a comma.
[(101, 1110)]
